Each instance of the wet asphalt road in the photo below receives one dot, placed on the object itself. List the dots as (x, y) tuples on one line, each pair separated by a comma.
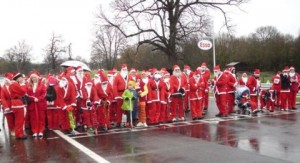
[(273, 137)]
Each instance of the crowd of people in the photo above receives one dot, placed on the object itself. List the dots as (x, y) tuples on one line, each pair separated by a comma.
[(130, 98)]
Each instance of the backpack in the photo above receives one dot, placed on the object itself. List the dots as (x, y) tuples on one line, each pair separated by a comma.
[(51, 94)]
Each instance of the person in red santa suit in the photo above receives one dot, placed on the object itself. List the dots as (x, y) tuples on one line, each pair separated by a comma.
[(285, 89), (110, 77), (232, 83), (52, 111), (243, 80), (277, 86), (105, 94), (119, 86), (220, 83), (178, 87), (18, 92), (205, 73), (66, 102), (187, 73), (154, 97), (80, 80), (89, 99), (6, 103), (37, 106), (165, 95), (197, 85), (294, 78), (253, 84)]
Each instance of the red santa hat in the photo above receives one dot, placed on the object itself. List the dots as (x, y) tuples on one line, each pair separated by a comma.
[(256, 72), (217, 68), (154, 70), (114, 70), (176, 67), (16, 75), (163, 69), (34, 73), (61, 75), (88, 81), (103, 78), (132, 70), (52, 80), (197, 72), (8, 76), (166, 73), (286, 69), (278, 72), (79, 68), (123, 66), (186, 67), (110, 73), (203, 65), (292, 68)]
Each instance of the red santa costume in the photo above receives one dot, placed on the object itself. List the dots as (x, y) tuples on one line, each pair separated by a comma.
[(187, 73), (254, 85), (205, 72), (165, 95), (154, 97), (37, 106), (51, 97), (197, 85), (178, 87), (6, 103), (119, 86), (113, 112), (220, 83), (105, 94), (294, 78), (79, 86), (66, 101), (268, 99), (285, 89), (277, 87), (89, 99), (17, 92), (232, 83)]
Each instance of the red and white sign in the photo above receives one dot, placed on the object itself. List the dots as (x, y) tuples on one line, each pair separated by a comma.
[(204, 44)]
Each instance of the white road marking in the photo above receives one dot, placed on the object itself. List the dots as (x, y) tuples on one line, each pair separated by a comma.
[(81, 147), (185, 123)]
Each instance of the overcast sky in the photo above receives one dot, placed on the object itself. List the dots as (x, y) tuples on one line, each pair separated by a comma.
[(35, 20)]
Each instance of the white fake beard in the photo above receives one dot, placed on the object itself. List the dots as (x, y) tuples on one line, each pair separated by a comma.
[(177, 74), (124, 74), (166, 80), (88, 89), (145, 80), (292, 74), (96, 81), (62, 84), (244, 79), (79, 76), (104, 87), (110, 79)]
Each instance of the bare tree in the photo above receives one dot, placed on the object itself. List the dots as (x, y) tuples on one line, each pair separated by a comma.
[(107, 46), (70, 52), (165, 23), (54, 52), (19, 55)]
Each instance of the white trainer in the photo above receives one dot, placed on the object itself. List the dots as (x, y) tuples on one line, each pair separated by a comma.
[(140, 124), (41, 134), (35, 135)]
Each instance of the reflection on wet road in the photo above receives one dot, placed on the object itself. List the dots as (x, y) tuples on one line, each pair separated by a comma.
[(267, 138)]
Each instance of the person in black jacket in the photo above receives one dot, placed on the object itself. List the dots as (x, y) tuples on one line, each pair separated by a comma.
[(285, 89)]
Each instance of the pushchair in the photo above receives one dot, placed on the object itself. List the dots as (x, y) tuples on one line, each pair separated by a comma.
[(242, 100)]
